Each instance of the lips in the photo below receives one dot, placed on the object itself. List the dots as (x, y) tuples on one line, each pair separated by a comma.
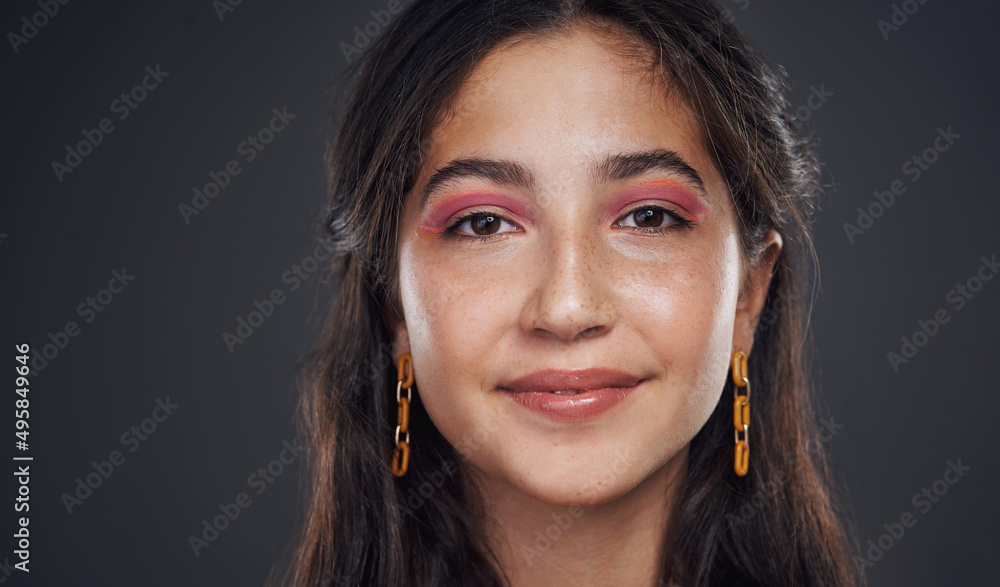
[(571, 395), (553, 380)]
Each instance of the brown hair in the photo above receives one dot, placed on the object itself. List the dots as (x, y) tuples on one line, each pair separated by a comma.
[(782, 524)]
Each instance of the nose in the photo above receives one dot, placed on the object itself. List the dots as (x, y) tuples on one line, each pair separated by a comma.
[(573, 296)]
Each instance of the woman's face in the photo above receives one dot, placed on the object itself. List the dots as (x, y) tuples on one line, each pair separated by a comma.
[(603, 238)]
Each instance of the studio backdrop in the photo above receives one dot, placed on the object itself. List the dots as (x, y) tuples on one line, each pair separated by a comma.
[(161, 193)]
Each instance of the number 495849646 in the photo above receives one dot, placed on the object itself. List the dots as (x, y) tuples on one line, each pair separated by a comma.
[(21, 402)]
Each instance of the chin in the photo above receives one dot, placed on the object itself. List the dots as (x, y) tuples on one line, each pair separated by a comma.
[(565, 494), (573, 484)]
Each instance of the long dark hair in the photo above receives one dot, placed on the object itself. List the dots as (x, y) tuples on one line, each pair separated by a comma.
[(782, 524)]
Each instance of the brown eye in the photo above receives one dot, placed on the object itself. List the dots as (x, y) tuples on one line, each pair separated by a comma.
[(485, 224), (481, 225), (648, 217)]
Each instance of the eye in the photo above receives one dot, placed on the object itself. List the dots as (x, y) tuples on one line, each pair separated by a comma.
[(480, 225), (653, 218)]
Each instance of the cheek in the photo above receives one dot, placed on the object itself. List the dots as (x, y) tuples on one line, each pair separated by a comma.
[(684, 300), (452, 307), (455, 315), (683, 307)]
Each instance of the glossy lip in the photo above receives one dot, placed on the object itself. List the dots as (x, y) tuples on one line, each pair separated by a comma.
[(603, 388)]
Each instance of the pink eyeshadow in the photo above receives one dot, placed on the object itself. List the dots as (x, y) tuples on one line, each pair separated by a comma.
[(660, 189), (437, 220)]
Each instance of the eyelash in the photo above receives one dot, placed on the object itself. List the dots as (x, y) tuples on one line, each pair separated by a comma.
[(679, 222)]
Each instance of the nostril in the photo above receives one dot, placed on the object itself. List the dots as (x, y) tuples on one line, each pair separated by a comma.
[(569, 308)]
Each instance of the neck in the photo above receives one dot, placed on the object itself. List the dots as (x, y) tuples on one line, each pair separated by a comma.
[(619, 542)]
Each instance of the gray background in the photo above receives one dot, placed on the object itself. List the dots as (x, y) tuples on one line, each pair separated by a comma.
[(162, 336)]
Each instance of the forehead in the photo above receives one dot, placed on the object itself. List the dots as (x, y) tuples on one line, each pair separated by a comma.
[(582, 89)]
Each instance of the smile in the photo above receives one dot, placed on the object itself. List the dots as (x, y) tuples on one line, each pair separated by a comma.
[(571, 395)]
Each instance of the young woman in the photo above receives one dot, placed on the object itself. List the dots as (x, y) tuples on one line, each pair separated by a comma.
[(574, 235)]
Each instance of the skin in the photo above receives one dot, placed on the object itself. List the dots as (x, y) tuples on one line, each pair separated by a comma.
[(570, 286)]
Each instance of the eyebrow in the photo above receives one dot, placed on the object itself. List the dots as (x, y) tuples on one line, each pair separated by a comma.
[(629, 165), (618, 167)]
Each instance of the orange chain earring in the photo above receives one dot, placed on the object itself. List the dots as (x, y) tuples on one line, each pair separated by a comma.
[(401, 454), (741, 414)]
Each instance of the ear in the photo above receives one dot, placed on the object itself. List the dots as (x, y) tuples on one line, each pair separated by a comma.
[(397, 326), (754, 294), (401, 341)]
